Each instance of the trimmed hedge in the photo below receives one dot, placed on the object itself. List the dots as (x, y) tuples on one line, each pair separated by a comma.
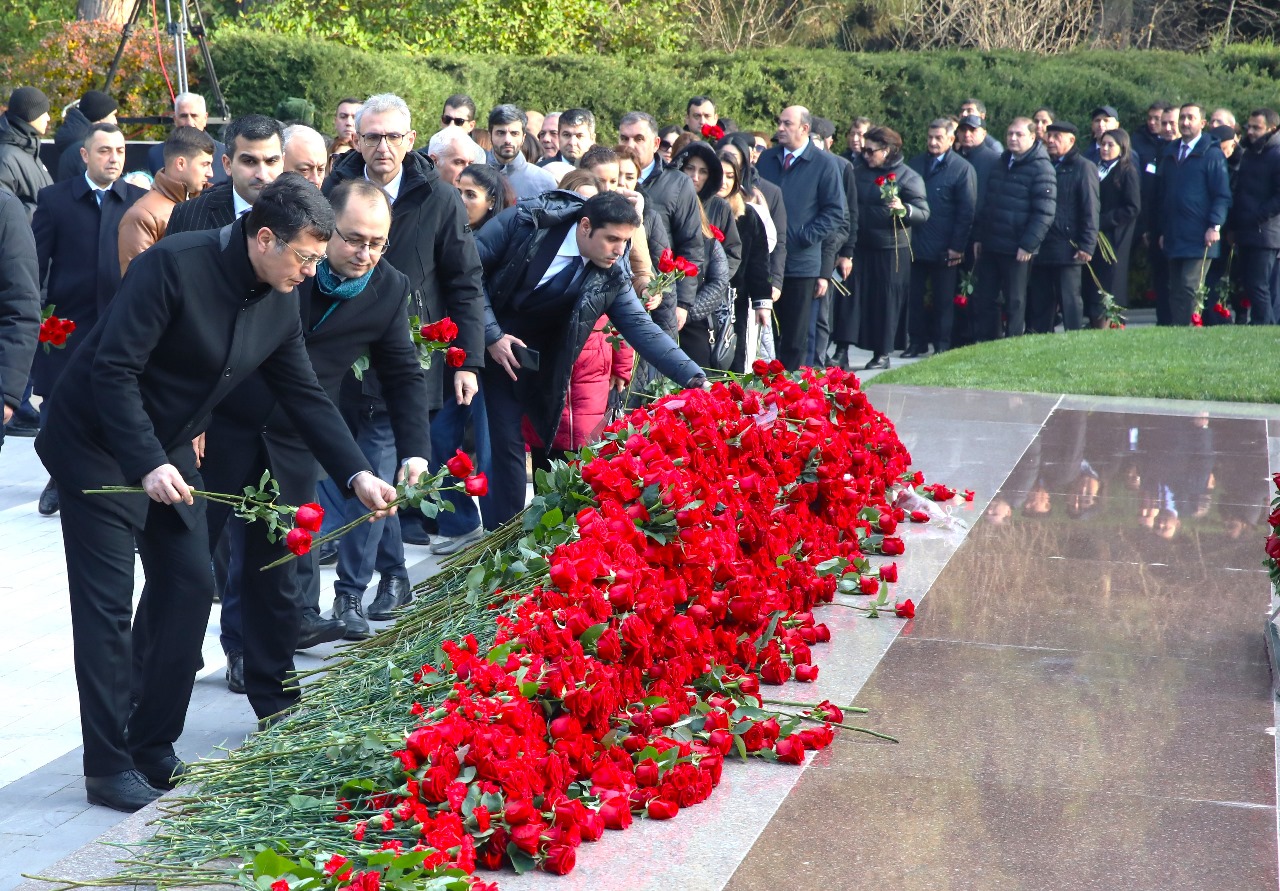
[(904, 90)]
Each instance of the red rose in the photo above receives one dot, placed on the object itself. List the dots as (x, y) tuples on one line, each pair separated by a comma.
[(528, 836), (721, 741), (57, 337), (460, 465), (717, 234), (664, 715), (1222, 310), (887, 524), (968, 494), (309, 517), (1273, 547), (891, 177), (647, 773), (1196, 321), (919, 516), (455, 356), (905, 610), (448, 330), (775, 672), (868, 585), (880, 180), (889, 572), (892, 547), (711, 131), (661, 809), (961, 300), (666, 261), (477, 485), (806, 673), (298, 541), (616, 812), (560, 859), (280, 885), (790, 750), (829, 712)]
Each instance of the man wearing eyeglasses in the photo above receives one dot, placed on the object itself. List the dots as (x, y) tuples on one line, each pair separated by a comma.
[(459, 111), (354, 306), (255, 157), (195, 316), (432, 245)]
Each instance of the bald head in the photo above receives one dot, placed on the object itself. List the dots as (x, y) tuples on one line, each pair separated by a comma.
[(305, 153)]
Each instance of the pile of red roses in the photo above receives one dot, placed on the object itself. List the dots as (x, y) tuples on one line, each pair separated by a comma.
[(618, 688)]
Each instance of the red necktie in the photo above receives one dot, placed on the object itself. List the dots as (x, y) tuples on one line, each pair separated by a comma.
[(787, 160)]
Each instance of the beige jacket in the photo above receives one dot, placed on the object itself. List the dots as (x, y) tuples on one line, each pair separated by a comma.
[(145, 222)]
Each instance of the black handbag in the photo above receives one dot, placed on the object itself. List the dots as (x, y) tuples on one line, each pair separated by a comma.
[(724, 334)]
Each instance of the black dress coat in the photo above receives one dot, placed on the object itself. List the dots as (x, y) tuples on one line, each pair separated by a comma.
[(432, 244), (211, 209), (1120, 199), (76, 248), (190, 323), (19, 300)]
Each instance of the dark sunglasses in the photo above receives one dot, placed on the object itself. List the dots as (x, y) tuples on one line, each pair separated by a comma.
[(446, 120), (668, 145)]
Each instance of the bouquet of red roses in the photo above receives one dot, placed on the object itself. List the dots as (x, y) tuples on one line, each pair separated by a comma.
[(53, 330)]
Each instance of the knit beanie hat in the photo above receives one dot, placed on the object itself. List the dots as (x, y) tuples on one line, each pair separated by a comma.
[(96, 105), (28, 103)]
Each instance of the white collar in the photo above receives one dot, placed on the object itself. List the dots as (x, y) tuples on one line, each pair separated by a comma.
[(238, 204), (94, 186), (795, 153), (1192, 144), (392, 188), (569, 247)]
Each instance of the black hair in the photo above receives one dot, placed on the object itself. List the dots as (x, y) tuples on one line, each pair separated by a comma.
[(597, 154), (290, 206), (698, 100), (98, 128), (495, 185), (508, 114), (187, 142), (1267, 114), (610, 208), (577, 117), (252, 128), (1121, 137), (461, 100)]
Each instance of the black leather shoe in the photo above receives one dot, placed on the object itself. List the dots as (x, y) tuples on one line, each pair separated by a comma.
[(126, 791), (348, 609), (235, 673), (413, 534), (164, 774), (393, 593), (316, 629), (327, 553), (913, 353), (877, 362), (48, 504), (21, 428)]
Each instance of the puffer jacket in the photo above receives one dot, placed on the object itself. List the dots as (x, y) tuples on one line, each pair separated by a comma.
[(22, 173), (1075, 222), (878, 228), (1021, 200), (1255, 211), (603, 358)]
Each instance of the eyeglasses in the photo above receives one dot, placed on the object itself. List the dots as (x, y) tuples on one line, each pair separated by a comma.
[(872, 150), (668, 145), (446, 120), (372, 139), (376, 246), (306, 259), (758, 147)]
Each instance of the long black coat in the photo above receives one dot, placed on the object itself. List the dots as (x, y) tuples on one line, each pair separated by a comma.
[(1021, 200), (778, 214), (76, 246), (432, 244), (1075, 220), (1255, 211), (952, 191), (19, 299), (878, 228), (189, 324), (1120, 202)]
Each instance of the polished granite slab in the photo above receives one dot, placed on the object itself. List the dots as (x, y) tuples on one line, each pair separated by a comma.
[(1083, 699)]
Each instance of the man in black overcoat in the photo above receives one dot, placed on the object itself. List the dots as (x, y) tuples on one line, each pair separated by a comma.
[(76, 225), (354, 306), (197, 315), (19, 304)]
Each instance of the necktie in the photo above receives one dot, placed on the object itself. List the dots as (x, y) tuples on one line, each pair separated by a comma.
[(937, 162), (1183, 150), (562, 281), (787, 160), (98, 193), (243, 212)]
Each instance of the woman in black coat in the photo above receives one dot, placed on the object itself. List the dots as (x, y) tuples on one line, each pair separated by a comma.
[(1120, 201), (751, 285), (883, 262)]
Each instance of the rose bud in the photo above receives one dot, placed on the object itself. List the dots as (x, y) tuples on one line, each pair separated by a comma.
[(616, 812), (460, 465), (560, 859), (298, 541), (455, 356), (309, 517), (822, 631), (664, 715), (892, 547), (647, 773), (905, 610), (721, 741), (919, 516), (868, 585)]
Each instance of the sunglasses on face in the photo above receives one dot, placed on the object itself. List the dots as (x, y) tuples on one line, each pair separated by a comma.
[(668, 145), (446, 120)]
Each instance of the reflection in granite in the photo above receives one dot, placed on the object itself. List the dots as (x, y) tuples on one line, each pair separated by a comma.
[(1083, 698)]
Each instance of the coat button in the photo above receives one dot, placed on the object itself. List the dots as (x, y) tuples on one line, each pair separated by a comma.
[(227, 373)]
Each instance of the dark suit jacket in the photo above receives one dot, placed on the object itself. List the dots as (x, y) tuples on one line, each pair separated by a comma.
[(814, 194), (189, 324), (375, 323), (155, 161), (79, 262), (211, 209)]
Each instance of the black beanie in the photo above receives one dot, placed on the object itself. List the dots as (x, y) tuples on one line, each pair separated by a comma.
[(28, 103), (96, 105)]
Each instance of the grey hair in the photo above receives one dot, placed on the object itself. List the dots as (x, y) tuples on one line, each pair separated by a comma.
[(382, 103), (298, 130), (639, 117), (189, 97), (454, 136)]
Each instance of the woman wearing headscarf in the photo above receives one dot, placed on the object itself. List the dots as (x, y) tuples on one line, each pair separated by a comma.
[(891, 199)]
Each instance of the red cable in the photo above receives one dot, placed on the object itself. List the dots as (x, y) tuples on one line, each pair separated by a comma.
[(155, 27)]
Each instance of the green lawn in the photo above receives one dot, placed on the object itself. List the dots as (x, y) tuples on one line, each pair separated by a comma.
[(1226, 363)]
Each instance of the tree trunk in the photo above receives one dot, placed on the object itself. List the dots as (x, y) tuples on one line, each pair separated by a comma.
[(114, 12)]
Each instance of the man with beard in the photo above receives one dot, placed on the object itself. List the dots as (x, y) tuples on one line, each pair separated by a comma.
[(255, 157), (1255, 218), (507, 126)]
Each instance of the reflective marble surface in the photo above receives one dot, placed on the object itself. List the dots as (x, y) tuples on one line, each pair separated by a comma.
[(1083, 698)]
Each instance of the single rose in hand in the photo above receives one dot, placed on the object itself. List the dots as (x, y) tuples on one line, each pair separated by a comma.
[(455, 356), (310, 516), (460, 465), (298, 541), (477, 485)]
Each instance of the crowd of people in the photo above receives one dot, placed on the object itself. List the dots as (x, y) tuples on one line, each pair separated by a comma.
[(220, 306)]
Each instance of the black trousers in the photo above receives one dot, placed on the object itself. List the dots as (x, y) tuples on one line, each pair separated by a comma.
[(1158, 263), (931, 323), (508, 483), (1185, 275), (1051, 287), (1000, 274), (794, 310), (1256, 266), (175, 556)]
